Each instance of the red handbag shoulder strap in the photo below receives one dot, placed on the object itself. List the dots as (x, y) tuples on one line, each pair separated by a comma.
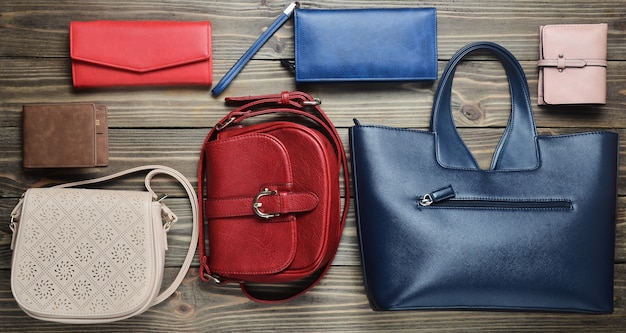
[(297, 103)]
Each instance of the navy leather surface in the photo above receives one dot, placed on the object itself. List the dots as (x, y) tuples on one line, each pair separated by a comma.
[(376, 44), (517, 149), (508, 253)]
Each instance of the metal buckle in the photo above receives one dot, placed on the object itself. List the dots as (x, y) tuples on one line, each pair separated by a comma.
[(256, 205), (314, 102), (223, 125), (214, 278), (12, 224)]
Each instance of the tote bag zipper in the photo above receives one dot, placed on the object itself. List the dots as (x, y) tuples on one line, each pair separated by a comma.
[(446, 197)]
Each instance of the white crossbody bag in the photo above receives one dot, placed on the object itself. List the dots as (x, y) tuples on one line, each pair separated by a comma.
[(83, 256)]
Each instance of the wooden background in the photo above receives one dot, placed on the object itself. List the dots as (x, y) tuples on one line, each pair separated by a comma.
[(167, 126)]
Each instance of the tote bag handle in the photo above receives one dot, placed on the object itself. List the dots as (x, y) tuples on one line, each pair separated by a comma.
[(517, 149)]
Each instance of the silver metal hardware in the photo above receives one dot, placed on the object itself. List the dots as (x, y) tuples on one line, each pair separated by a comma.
[(314, 102), (15, 220), (438, 196), (167, 226), (214, 278), (291, 8), (15, 213), (426, 200), (12, 224), (256, 205), (220, 127)]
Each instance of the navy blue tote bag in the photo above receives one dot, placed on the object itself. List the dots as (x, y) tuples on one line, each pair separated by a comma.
[(534, 232)]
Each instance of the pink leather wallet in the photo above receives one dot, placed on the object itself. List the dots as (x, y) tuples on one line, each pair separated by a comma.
[(572, 64), (138, 53)]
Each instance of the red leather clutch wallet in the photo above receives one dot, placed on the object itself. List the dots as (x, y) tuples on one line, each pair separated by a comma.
[(140, 53), (273, 202)]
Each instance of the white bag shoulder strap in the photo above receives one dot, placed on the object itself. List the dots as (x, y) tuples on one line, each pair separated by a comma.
[(170, 218)]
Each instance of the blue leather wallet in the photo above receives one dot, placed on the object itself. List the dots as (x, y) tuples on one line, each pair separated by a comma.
[(374, 44)]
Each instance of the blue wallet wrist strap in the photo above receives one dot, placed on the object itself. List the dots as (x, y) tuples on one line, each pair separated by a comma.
[(254, 48)]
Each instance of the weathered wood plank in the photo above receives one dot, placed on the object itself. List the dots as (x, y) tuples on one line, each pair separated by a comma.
[(480, 97), (338, 303), (348, 253), (40, 28), (180, 148), (167, 126)]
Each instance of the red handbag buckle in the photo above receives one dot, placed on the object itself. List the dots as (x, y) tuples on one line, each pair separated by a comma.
[(256, 205)]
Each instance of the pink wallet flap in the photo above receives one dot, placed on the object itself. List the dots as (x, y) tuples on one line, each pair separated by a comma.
[(574, 45), (572, 64), (140, 46)]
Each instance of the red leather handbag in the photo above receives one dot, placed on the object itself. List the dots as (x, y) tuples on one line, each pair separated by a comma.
[(140, 53), (270, 195)]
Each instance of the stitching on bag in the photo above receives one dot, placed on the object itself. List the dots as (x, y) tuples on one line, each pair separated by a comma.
[(290, 218), (189, 60), (550, 137), (501, 208), (571, 207), (425, 76), (395, 128)]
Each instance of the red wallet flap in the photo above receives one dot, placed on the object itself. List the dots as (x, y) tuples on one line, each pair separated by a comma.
[(140, 46), (244, 167)]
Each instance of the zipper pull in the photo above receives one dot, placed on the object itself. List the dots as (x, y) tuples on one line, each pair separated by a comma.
[(436, 196)]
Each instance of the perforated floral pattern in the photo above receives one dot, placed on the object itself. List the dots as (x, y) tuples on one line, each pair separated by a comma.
[(84, 253)]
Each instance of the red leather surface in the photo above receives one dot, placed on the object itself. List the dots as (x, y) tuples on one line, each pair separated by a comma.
[(133, 53), (298, 162), (316, 156), (280, 203)]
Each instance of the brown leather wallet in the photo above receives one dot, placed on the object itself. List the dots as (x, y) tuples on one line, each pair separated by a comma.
[(65, 135)]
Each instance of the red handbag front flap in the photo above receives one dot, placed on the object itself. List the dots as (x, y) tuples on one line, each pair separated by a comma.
[(140, 46), (237, 170), (315, 170)]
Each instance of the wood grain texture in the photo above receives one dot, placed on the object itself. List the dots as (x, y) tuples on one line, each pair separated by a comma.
[(180, 148), (168, 125), (478, 84), (40, 27), (338, 304)]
